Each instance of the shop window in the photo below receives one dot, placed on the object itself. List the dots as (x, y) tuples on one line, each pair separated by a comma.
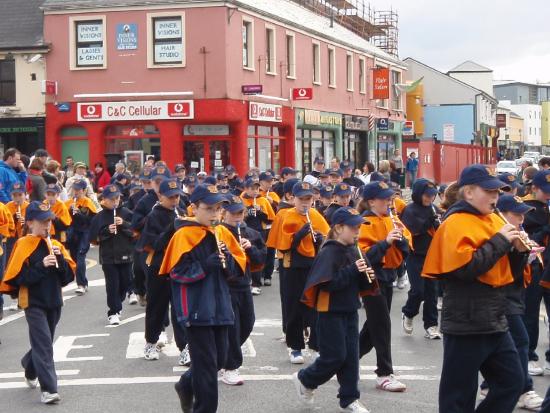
[(316, 48), (276, 151), (264, 154), (194, 155), (313, 143), (166, 40), (299, 155), (251, 152), (264, 147), (290, 55), (270, 51), (132, 141), (7, 82), (87, 39), (331, 66), (328, 141), (349, 72), (219, 155), (248, 44)]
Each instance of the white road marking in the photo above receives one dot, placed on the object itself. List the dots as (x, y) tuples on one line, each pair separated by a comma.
[(257, 334), (21, 374), (401, 368), (113, 381), (268, 322), (128, 320), (64, 344)]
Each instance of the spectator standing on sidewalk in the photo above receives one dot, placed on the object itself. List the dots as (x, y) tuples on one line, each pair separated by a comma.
[(412, 168)]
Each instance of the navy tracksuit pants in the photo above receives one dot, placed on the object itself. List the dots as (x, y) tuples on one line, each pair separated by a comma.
[(117, 279), (243, 308)]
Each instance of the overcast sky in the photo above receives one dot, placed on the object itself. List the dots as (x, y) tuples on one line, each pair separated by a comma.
[(510, 37)]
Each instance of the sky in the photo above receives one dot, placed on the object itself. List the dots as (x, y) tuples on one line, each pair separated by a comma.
[(510, 37)]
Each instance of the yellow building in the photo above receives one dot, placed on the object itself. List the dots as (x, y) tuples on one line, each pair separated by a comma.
[(545, 121)]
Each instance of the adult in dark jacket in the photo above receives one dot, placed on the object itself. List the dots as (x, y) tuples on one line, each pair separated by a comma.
[(36, 185)]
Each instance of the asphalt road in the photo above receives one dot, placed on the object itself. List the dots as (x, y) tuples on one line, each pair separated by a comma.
[(101, 368)]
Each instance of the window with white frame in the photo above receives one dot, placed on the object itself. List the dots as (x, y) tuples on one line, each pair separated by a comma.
[(349, 72), (89, 43), (290, 55), (331, 66), (168, 40), (395, 93), (362, 75), (270, 54), (248, 44), (316, 63)]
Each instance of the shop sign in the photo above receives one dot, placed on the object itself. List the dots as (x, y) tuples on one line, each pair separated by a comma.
[(206, 130), (302, 93), (501, 120), (64, 107), (88, 56), (449, 132), (49, 87), (144, 110), (265, 112), (126, 37), (90, 32), (408, 128), (381, 83), (252, 89), (316, 118), (19, 129), (382, 124), (356, 123), (168, 28)]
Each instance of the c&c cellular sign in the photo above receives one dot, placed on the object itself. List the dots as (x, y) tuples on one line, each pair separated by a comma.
[(145, 110), (265, 112)]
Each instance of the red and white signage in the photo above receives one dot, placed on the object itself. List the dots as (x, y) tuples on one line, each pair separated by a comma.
[(302, 93), (265, 112), (144, 110), (49, 87), (381, 83)]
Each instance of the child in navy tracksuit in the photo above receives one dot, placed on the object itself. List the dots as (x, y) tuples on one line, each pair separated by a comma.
[(421, 219), (110, 228), (38, 268), (251, 242), (199, 267), (336, 281)]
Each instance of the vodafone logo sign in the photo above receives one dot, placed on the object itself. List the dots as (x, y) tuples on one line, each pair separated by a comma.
[(302, 93), (139, 110)]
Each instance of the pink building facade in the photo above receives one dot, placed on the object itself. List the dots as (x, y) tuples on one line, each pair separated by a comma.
[(168, 80)]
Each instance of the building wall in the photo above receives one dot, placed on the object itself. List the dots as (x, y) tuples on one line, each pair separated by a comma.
[(480, 80), (517, 94), (515, 128), (532, 116), (545, 123), (461, 116)]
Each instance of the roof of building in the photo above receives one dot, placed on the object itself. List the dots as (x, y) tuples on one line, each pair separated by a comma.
[(469, 66), (289, 13), (21, 25), (501, 83)]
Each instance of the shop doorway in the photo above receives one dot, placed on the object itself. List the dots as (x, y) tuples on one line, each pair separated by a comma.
[(210, 156)]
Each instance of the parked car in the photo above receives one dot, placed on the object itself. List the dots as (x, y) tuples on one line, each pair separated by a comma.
[(507, 166), (521, 160), (532, 155)]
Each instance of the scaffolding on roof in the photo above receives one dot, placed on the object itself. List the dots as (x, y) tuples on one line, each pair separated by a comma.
[(378, 27)]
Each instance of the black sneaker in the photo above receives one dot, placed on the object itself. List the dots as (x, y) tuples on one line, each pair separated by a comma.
[(186, 400), (267, 282)]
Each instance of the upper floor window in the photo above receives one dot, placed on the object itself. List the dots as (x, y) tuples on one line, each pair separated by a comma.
[(316, 63), (395, 94), (349, 72), (290, 55), (7, 82), (270, 55), (168, 40), (331, 66), (362, 75), (248, 44), (90, 41)]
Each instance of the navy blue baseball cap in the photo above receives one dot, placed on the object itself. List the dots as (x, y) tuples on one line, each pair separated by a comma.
[(542, 180), (179, 167), (221, 176), (170, 187), (326, 191), (377, 177), (230, 169), (110, 191), (482, 176), (190, 180), (145, 175), (79, 184), (208, 194), (238, 183), (342, 189), (289, 184), (338, 172), (377, 190), (250, 182), (210, 180), (160, 170), (123, 176), (510, 203), (19, 188), (288, 171), (345, 165), (38, 211), (266, 176), (347, 216), (442, 188), (53, 188), (234, 204), (509, 179), (319, 160), (302, 189)]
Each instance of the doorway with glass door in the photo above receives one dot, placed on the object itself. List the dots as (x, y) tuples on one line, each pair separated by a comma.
[(206, 155)]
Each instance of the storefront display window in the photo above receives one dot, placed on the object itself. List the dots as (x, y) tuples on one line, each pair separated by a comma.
[(313, 143), (264, 147)]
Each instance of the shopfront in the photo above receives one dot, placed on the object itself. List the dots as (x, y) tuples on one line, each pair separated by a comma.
[(389, 138), (205, 135), (355, 140), (318, 134), (25, 134)]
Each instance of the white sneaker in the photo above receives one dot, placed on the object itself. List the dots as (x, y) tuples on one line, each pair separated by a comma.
[(483, 393), (355, 407), (185, 357), (31, 383), (305, 394), (314, 355), (132, 299), (534, 369), (407, 324), (255, 290), (49, 398), (80, 290), (163, 340), (232, 378), (402, 282), (530, 401), (151, 352), (114, 320), (296, 357), (433, 333), (439, 303), (546, 367), (13, 306), (390, 383)]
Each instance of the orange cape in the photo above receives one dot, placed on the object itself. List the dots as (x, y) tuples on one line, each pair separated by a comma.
[(292, 222), (22, 250), (263, 203), (7, 225), (273, 236), (188, 237), (399, 205), (83, 202), (455, 242), (273, 195), (377, 231), (18, 228), (61, 211)]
